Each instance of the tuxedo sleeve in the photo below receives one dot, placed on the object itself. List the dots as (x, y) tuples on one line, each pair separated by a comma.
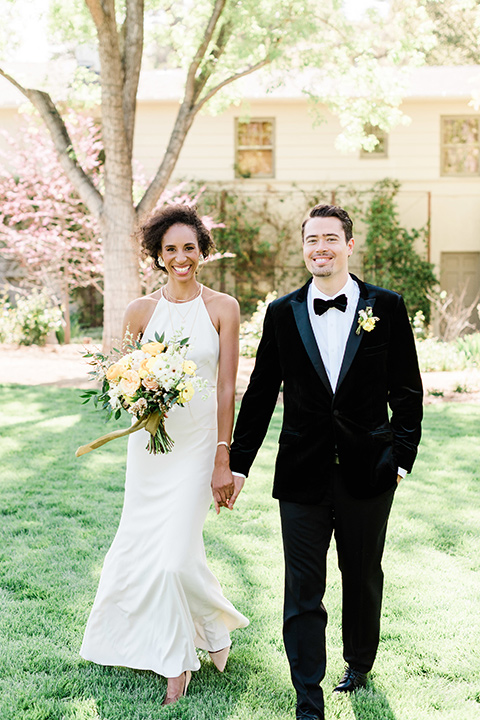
[(405, 395), (258, 401)]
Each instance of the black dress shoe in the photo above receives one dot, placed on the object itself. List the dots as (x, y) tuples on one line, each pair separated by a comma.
[(308, 715), (351, 681)]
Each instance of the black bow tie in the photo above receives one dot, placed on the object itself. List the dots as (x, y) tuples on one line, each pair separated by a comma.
[(321, 306)]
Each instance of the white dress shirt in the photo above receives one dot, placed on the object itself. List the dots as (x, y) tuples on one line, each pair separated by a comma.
[(331, 329)]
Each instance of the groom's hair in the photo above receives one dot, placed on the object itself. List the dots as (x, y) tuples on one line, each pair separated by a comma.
[(331, 211)]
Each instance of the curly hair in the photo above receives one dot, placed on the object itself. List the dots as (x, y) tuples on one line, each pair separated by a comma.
[(331, 211), (151, 234)]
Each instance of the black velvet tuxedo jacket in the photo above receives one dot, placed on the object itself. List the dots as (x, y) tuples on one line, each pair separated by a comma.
[(379, 371)]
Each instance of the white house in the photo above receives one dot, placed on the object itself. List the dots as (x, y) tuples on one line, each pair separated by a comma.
[(269, 143)]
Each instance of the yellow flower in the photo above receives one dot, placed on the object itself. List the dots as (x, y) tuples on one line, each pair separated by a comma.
[(189, 367), (150, 363), (130, 382), (366, 320), (187, 393), (144, 370), (153, 348), (114, 372)]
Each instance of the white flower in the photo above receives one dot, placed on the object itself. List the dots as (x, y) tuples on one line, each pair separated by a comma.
[(136, 358), (113, 394)]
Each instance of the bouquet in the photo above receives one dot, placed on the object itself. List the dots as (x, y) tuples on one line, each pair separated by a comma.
[(145, 382)]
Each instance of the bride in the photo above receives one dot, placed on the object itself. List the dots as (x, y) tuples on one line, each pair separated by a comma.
[(157, 601)]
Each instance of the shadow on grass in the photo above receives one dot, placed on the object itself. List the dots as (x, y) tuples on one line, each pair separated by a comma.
[(371, 704)]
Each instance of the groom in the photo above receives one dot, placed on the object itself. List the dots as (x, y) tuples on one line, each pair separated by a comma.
[(345, 353)]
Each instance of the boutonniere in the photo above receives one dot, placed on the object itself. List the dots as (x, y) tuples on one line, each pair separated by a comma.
[(366, 320)]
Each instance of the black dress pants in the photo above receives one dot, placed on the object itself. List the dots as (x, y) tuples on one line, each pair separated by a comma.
[(359, 527)]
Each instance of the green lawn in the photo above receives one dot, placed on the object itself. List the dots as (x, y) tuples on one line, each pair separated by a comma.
[(58, 515)]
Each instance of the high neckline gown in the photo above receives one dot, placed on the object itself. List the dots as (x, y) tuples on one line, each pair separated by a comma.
[(157, 600)]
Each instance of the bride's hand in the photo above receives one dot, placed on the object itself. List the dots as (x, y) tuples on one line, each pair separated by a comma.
[(222, 485)]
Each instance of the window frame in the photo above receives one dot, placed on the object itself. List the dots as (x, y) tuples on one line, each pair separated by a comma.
[(238, 147), (372, 154), (443, 145)]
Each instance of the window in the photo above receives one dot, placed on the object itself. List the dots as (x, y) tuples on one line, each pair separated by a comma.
[(254, 148), (460, 146), (381, 148)]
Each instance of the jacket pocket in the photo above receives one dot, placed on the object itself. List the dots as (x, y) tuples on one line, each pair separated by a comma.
[(383, 434), (288, 437), (375, 349)]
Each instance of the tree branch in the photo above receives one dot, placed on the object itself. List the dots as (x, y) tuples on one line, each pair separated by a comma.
[(96, 11), (117, 117), (202, 49), (217, 51), (182, 125), (132, 52), (232, 78), (63, 145)]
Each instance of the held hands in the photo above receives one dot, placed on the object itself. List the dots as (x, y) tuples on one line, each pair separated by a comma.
[(225, 486)]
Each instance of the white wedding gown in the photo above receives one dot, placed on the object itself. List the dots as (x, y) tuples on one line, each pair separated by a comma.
[(157, 600)]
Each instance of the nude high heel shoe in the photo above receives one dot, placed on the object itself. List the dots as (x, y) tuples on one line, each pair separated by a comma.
[(170, 700), (220, 657)]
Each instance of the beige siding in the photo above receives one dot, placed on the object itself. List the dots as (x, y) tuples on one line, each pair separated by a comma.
[(307, 155)]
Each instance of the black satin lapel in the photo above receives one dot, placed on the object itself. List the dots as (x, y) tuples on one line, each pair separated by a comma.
[(354, 340), (300, 312)]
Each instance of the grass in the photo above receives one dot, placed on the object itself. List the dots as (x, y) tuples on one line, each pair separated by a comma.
[(58, 515)]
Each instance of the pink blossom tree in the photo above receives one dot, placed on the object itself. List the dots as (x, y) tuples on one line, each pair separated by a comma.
[(44, 226)]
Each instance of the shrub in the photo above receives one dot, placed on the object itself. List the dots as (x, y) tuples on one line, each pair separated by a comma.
[(391, 259), (31, 321), (251, 330)]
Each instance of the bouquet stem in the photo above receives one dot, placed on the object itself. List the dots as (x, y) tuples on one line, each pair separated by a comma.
[(160, 441)]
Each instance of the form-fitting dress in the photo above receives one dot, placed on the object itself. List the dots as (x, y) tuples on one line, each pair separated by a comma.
[(157, 600)]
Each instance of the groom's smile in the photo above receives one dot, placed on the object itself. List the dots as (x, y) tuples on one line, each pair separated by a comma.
[(325, 248)]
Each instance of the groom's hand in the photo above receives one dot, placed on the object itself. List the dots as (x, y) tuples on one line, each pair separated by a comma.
[(222, 486), (239, 482)]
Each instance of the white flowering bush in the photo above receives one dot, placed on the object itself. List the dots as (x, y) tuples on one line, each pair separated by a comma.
[(31, 321), (251, 330)]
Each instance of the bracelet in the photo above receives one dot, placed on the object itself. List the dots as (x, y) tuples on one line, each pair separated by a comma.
[(222, 442)]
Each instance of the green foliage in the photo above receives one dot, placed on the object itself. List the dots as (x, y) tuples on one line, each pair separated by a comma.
[(391, 259), (455, 29), (470, 346), (253, 264), (31, 320)]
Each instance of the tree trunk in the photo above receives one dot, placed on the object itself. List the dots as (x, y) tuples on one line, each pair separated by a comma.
[(122, 283)]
